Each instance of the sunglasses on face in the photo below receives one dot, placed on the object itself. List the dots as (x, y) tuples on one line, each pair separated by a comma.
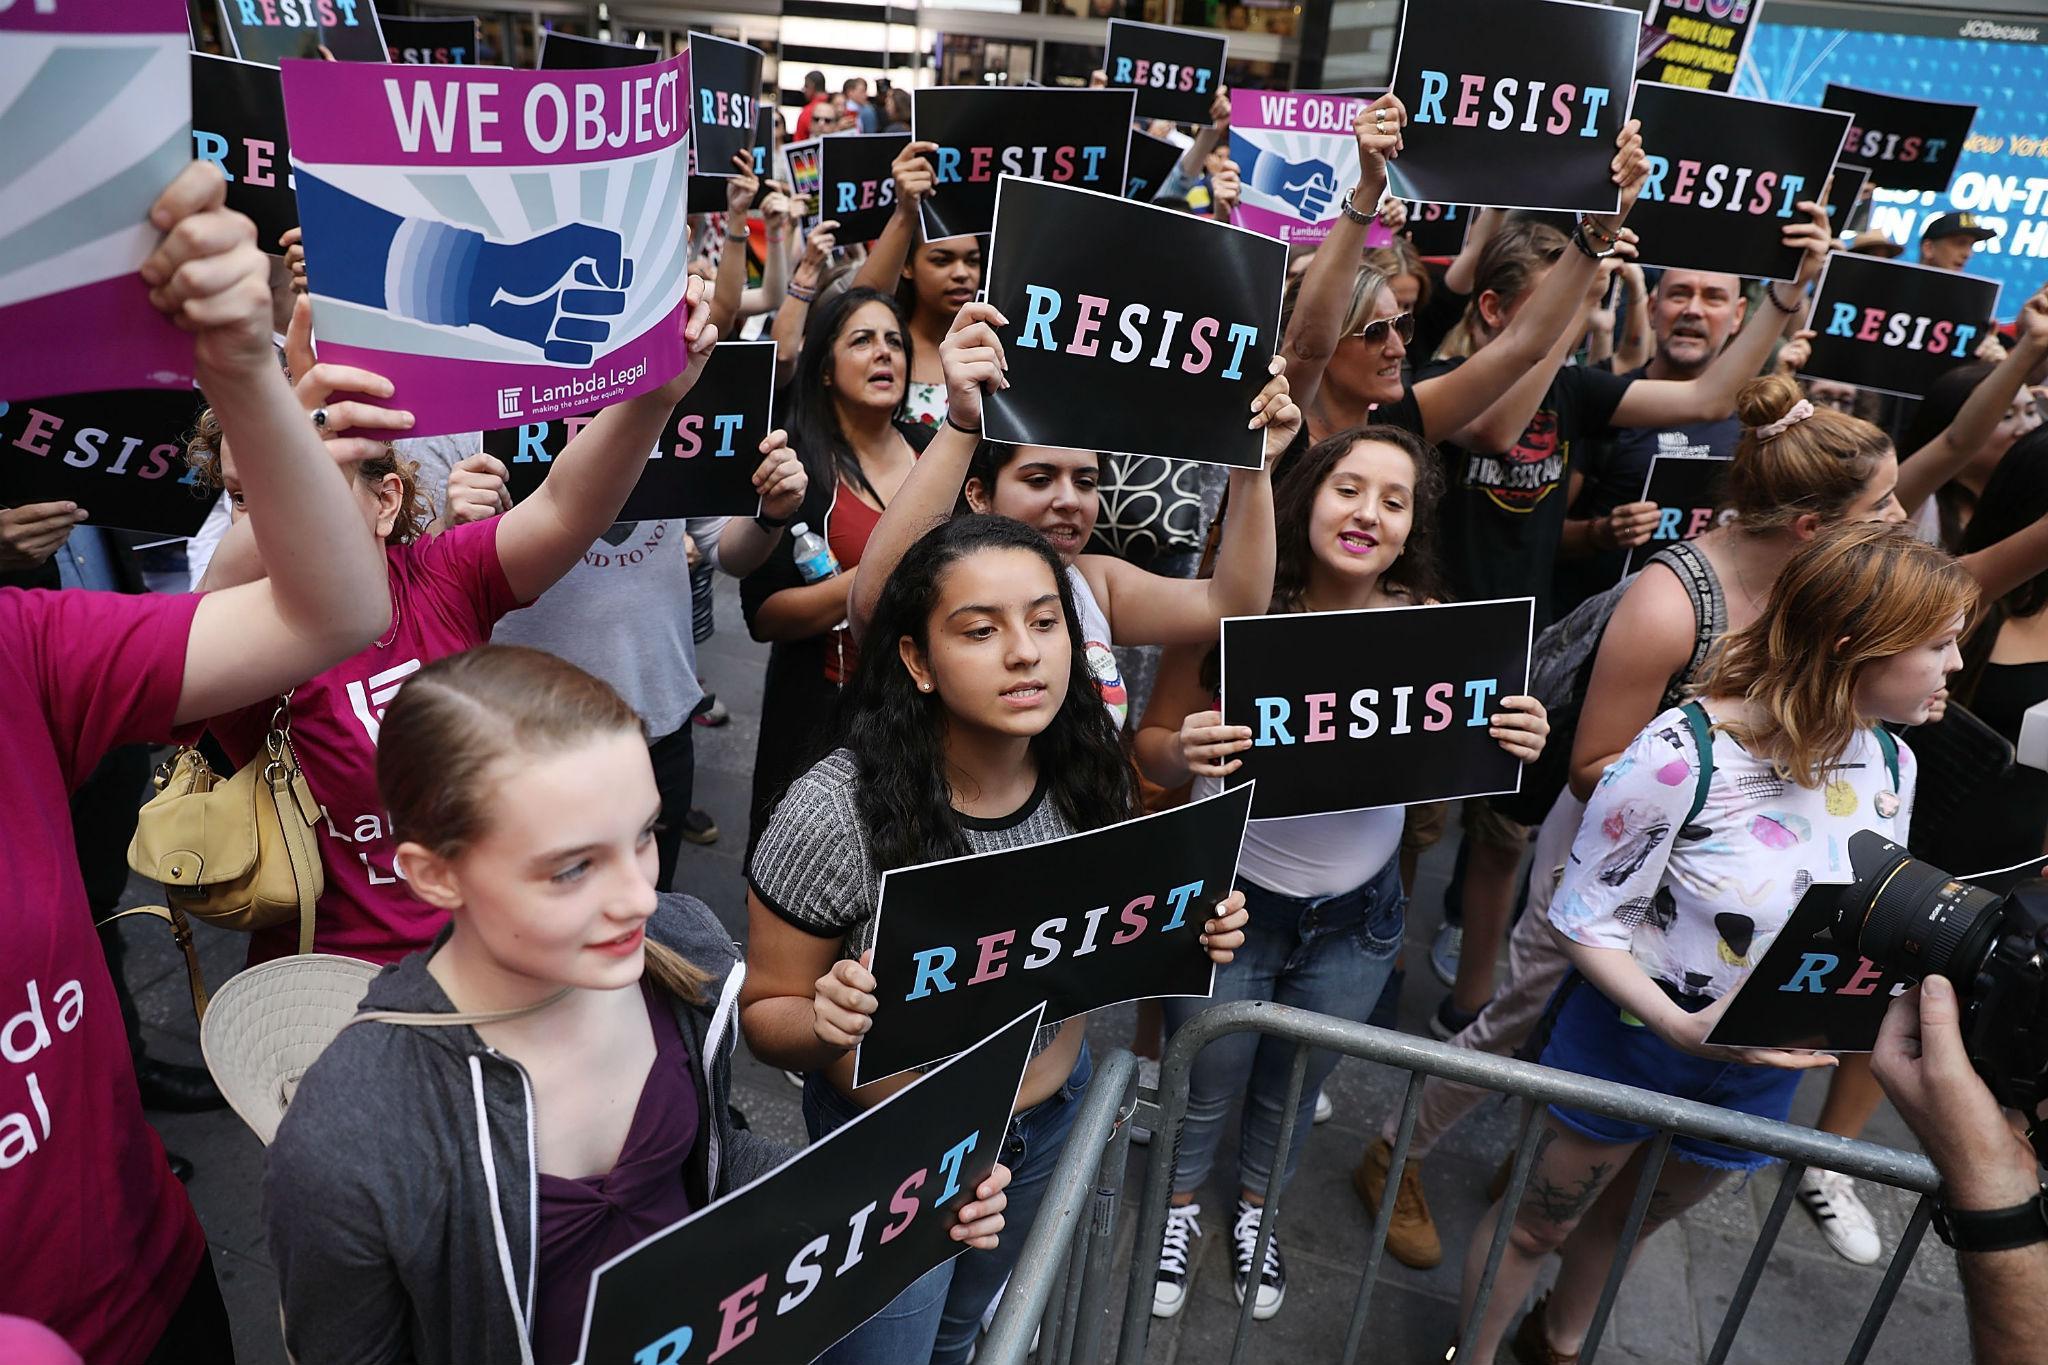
[(1375, 333)]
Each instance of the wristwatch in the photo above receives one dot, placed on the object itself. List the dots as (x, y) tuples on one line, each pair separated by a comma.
[(768, 523), (1351, 210), (1993, 1229)]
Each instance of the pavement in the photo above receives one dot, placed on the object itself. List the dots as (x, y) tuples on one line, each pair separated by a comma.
[(1808, 1306)]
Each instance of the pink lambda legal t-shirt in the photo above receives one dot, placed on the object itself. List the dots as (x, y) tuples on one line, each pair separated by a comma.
[(97, 1240), (447, 592)]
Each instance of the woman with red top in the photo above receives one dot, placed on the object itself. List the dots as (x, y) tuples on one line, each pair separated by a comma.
[(102, 1245), (858, 445), (446, 592)]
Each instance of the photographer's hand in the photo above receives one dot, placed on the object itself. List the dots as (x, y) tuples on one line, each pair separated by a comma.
[(1921, 1063)]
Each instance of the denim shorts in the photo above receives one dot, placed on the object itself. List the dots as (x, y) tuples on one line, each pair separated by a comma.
[(1591, 1036)]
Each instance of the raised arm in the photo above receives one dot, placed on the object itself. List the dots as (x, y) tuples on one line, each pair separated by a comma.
[(548, 534), (325, 597), (731, 282), (1935, 463), (913, 176), (795, 312), (1464, 267), (1324, 296), (1674, 402)]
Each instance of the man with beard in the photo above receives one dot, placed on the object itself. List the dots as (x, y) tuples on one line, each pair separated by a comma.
[(1692, 315)]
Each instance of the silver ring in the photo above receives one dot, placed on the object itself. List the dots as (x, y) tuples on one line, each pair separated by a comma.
[(320, 418)]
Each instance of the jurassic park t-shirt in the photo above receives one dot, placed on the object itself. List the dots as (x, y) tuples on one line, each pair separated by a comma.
[(1503, 513)]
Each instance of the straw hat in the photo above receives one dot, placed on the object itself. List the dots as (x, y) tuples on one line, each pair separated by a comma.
[(266, 1026)]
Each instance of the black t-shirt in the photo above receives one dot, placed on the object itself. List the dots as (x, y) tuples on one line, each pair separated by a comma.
[(1503, 513), (1616, 476), (1435, 319)]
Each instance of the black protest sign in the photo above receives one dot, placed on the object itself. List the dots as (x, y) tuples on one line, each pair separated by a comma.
[(1812, 989), (119, 455), (765, 125), (1696, 43), (705, 462), (1355, 709), (1908, 144), (1687, 490), (707, 193), (1133, 329), (1438, 229), (1513, 102), (269, 30), (780, 1269), (1151, 162), (1065, 137), (1175, 71), (1894, 326), (1726, 177), (854, 184), (1844, 193), (1077, 923), (431, 42), (725, 101), (566, 52), (238, 125)]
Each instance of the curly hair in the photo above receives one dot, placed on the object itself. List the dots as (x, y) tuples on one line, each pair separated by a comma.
[(1416, 571), (415, 513), (897, 733)]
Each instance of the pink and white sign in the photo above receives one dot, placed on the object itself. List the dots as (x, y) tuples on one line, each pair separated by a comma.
[(97, 121), (1298, 157), (503, 246)]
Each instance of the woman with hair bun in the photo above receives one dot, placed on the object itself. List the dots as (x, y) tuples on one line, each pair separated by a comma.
[(1692, 853)]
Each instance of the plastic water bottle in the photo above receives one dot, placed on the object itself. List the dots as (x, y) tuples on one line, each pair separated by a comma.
[(813, 556)]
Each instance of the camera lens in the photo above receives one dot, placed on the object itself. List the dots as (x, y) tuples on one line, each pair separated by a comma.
[(1912, 917)]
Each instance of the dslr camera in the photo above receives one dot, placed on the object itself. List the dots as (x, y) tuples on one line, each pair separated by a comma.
[(1913, 918)]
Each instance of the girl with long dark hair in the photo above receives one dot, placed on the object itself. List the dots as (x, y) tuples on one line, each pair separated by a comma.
[(1054, 491), (496, 1161), (1356, 517), (972, 726), (932, 280), (847, 422)]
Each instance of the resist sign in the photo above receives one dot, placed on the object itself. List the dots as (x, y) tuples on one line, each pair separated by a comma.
[(1907, 144), (781, 1269), (503, 246), (431, 42), (268, 31), (1687, 491), (1514, 103), (1064, 137), (120, 456), (854, 185), (1077, 923), (1726, 177), (1894, 326), (1175, 71), (1133, 329), (238, 125), (1355, 709), (704, 466)]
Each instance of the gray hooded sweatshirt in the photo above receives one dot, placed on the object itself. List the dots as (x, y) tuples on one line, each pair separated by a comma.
[(402, 1194)]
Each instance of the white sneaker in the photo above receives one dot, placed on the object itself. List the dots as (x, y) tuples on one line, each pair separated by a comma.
[(1325, 1111), (1148, 1078), (1272, 1291), (1830, 1199), (1176, 1259)]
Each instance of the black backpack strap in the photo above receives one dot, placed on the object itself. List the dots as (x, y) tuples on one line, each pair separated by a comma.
[(1709, 610), (1703, 740)]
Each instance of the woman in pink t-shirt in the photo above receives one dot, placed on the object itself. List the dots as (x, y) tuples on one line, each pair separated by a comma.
[(101, 1244), (446, 593)]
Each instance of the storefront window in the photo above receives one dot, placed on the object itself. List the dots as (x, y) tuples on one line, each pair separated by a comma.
[(1069, 64), (1279, 17), (1151, 11), (965, 59)]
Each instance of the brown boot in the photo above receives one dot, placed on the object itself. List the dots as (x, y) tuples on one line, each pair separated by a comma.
[(1532, 1347), (1411, 1233)]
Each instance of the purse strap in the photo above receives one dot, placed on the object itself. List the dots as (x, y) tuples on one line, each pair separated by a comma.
[(181, 930), (454, 1018), (283, 778)]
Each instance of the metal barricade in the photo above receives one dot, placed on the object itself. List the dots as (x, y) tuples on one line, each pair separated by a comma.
[(1062, 1280)]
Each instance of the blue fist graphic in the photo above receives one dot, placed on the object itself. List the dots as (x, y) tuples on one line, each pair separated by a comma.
[(1309, 187), (553, 291)]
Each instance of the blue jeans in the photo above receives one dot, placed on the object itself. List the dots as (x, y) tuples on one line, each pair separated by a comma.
[(938, 1317), (1332, 955)]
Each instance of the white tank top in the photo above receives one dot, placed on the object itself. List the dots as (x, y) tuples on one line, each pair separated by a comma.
[(1109, 680), (1315, 855)]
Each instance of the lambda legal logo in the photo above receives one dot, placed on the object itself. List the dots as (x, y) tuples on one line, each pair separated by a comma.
[(508, 403), (368, 699)]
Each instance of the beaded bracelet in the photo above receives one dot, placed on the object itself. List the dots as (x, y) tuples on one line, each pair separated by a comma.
[(800, 293)]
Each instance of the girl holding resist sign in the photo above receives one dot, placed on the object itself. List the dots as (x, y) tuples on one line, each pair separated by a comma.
[(973, 726), (1692, 853), (549, 1083), (446, 593), (1054, 490), (1357, 514), (932, 280)]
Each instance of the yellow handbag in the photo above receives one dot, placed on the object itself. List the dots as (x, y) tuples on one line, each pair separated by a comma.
[(240, 853)]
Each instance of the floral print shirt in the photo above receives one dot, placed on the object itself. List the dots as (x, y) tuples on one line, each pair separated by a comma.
[(1697, 904)]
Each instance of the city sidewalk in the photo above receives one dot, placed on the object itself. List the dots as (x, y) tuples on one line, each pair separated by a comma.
[(1807, 1308)]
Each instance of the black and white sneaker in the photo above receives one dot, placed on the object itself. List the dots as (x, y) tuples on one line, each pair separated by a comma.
[(1176, 1259), (1273, 1277)]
